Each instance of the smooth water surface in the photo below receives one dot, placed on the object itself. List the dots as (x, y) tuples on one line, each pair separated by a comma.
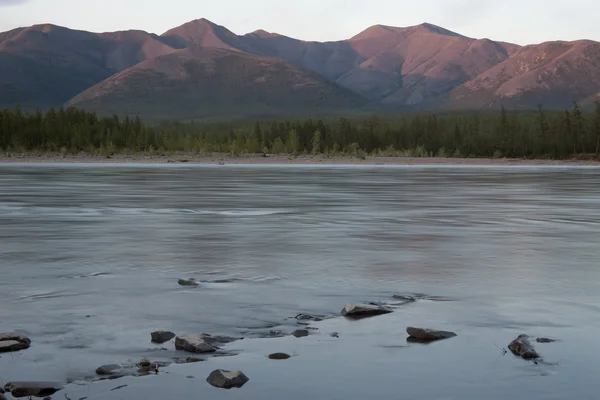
[(90, 256)]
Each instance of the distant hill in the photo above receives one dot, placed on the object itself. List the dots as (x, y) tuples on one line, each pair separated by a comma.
[(205, 82), (202, 69), (47, 65)]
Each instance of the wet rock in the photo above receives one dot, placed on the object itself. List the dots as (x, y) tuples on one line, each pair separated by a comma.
[(403, 297), (428, 335), (188, 282), (523, 348), (307, 317), (153, 368), (2, 397), (161, 337), (335, 335), (545, 340), (35, 389), (111, 369), (300, 333), (219, 340), (227, 379), (13, 342), (194, 344), (364, 310), (279, 356), (191, 360), (1, 390)]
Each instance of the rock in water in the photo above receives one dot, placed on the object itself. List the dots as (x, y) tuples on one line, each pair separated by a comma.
[(2, 397), (188, 282), (522, 347), (13, 342), (35, 389), (111, 369), (301, 333), (227, 379), (279, 356), (364, 310), (194, 344), (428, 335), (307, 317), (545, 340), (161, 337), (218, 340), (406, 298)]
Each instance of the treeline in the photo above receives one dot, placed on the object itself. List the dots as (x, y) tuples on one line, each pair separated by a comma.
[(534, 134)]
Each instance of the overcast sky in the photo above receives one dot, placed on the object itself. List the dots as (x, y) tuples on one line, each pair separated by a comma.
[(517, 21)]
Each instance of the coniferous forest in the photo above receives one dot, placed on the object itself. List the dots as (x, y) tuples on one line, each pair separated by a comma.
[(503, 133)]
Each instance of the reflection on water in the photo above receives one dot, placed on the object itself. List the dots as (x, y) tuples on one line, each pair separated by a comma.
[(90, 255)]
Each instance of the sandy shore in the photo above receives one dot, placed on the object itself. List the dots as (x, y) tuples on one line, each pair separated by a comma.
[(255, 159)]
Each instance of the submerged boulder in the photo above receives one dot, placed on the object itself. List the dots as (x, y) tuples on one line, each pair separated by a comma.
[(364, 310), (522, 347), (161, 337), (428, 335), (218, 340), (188, 282), (34, 389), (300, 333), (405, 298), (227, 379), (13, 342), (545, 340), (279, 356), (110, 369), (307, 317)]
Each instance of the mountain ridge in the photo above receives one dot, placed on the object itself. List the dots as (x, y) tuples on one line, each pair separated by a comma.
[(416, 67)]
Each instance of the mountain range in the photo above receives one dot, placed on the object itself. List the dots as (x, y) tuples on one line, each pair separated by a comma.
[(202, 69)]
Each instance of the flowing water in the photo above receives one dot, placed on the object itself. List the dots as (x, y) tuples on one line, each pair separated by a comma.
[(90, 256)]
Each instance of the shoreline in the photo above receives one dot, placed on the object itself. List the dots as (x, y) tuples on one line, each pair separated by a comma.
[(259, 159)]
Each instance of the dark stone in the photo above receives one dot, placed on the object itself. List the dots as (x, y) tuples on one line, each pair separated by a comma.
[(428, 335), (227, 379), (35, 389), (279, 356), (545, 340), (13, 342), (191, 360), (161, 337), (405, 298), (188, 282), (523, 348), (301, 333), (1, 390), (219, 340), (335, 335), (357, 311), (306, 317), (194, 344), (111, 369), (2, 397)]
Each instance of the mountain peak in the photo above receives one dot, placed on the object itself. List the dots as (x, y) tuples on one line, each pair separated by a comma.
[(379, 30), (262, 34), (200, 32), (438, 29)]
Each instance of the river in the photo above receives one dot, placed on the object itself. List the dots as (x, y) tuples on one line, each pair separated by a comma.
[(90, 256)]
